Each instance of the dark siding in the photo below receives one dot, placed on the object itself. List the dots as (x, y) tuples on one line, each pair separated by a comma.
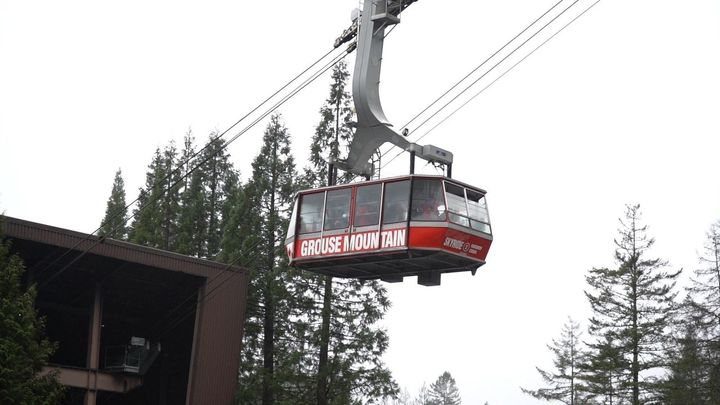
[(217, 339)]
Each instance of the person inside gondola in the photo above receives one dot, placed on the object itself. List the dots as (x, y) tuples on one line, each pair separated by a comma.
[(397, 212), (364, 217), (429, 209)]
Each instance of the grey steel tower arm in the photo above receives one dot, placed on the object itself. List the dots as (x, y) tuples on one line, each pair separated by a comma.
[(373, 128)]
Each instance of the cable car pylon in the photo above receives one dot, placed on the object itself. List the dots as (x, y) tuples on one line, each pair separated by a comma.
[(387, 229)]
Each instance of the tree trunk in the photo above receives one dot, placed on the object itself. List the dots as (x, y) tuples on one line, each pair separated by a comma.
[(268, 397), (324, 344), (635, 368), (327, 296)]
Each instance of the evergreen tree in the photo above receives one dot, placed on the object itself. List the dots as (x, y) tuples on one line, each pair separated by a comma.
[(695, 354), (350, 309), (187, 159), (192, 221), (632, 306), (113, 224), (706, 283), (403, 398), (241, 237), (601, 372), (146, 213), (168, 191), (325, 148), (262, 212), (210, 179), (23, 349), (333, 133), (705, 291), (563, 380), (158, 203), (423, 397), (687, 382), (444, 391), (220, 179), (355, 366)]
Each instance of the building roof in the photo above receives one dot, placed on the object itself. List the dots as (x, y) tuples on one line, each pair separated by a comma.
[(117, 249)]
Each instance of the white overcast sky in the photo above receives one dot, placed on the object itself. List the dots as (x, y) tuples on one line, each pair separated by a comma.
[(621, 107)]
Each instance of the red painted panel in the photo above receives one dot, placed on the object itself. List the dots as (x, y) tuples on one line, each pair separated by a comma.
[(360, 242), (447, 239), (450, 240)]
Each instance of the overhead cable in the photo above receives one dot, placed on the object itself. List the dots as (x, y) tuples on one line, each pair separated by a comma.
[(187, 161), (494, 67), (507, 71), (480, 65), (312, 78)]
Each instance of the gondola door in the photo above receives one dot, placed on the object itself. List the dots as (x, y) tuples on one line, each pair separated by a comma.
[(367, 210), (336, 219), (379, 217)]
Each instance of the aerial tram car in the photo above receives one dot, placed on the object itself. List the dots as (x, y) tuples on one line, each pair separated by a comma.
[(387, 229), (391, 228)]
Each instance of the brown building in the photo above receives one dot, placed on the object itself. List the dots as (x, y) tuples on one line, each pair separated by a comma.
[(134, 325)]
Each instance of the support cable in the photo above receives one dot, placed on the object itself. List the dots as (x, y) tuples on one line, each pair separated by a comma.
[(506, 72), (187, 161), (481, 65), (313, 77), (493, 68)]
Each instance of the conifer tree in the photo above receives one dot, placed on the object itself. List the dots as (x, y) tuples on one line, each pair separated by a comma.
[(350, 309), (688, 370), (241, 238), (632, 306), (563, 380), (333, 133), (146, 213), (113, 224), (23, 348), (705, 288), (262, 213), (209, 180), (187, 159), (602, 370), (220, 179), (444, 391), (403, 398), (155, 222), (168, 189), (423, 397), (192, 220), (695, 355)]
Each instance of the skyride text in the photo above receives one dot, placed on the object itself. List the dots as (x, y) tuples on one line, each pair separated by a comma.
[(358, 242)]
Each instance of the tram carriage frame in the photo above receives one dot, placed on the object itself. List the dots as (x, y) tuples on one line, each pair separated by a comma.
[(391, 228)]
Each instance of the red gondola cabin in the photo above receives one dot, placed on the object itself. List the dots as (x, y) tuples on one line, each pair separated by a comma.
[(391, 228)]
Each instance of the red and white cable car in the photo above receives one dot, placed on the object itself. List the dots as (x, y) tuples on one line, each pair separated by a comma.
[(391, 228)]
